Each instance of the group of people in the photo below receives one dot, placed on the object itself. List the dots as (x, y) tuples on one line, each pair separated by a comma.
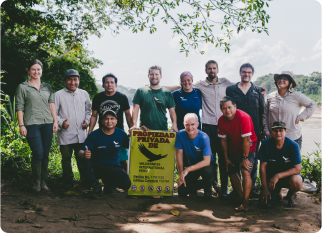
[(235, 119)]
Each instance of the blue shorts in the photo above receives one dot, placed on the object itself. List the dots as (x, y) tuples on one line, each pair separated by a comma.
[(236, 159), (123, 154)]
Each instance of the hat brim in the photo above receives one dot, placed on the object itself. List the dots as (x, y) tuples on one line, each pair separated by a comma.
[(293, 81)]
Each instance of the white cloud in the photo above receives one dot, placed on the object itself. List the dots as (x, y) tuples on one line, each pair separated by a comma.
[(175, 41), (317, 46), (112, 61)]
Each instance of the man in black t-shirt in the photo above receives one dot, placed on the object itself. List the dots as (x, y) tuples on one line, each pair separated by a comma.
[(113, 100)]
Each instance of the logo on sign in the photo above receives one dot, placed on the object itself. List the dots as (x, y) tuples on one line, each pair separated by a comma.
[(142, 188), (152, 157), (167, 189), (133, 188), (159, 188), (150, 188)]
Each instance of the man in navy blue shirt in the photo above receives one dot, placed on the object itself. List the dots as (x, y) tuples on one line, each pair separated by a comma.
[(280, 166), (100, 152), (195, 145)]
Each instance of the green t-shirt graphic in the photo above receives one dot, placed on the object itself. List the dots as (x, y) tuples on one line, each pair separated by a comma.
[(153, 106)]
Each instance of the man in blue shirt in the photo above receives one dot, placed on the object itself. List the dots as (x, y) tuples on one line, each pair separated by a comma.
[(280, 166), (195, 145), (100, 152)]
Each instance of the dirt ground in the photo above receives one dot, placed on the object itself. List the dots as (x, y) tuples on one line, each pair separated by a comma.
[(23, 211)]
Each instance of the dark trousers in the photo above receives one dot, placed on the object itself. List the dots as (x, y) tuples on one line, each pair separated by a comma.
[(67, 153), (299, 142), (215, 144), (111, 175), (253, 174), (39, 138), (192, 184)]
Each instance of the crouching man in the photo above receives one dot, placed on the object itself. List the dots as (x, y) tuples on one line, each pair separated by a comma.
[(235, 128), (280, 166), (100, 152), (195, 145)]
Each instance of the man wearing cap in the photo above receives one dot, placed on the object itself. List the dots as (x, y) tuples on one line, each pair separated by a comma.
[(249, 99), (280, 166), (111, 99), (101, 159), (236, 128), (73, 108), (194, 145)]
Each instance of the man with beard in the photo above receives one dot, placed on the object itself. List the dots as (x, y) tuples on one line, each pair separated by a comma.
[(249, 99), (111, 99), (153, 102)]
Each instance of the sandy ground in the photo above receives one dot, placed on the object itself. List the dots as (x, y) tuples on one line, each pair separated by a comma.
[(23, 211)]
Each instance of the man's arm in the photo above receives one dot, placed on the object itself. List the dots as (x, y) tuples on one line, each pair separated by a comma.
[(128, 118), (295, 170), (172, 88), (224, 144), (173, 117), (135, 114), (265, 193), (179, 154), (93, 121), (246, 146)]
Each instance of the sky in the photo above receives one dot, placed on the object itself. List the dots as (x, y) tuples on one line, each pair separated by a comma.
[(293, 44)]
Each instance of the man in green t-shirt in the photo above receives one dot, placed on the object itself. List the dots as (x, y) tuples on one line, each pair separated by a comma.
[(153, 102)]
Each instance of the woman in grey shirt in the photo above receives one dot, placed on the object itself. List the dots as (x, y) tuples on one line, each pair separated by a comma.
[(285, 105), (37, 120)]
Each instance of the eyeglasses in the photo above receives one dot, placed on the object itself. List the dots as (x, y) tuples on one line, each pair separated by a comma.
[(282, 78)]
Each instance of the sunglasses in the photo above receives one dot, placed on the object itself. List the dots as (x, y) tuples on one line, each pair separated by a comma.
[(282, 78)]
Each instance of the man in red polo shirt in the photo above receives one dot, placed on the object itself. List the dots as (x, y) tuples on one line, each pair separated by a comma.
[(235, 128)]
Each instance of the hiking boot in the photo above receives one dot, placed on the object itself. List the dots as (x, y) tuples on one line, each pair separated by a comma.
[(44, 166), (36, 175), (97, 191)]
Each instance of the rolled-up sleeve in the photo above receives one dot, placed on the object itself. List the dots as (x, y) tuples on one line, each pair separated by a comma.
[(310, 107), (20, 98)]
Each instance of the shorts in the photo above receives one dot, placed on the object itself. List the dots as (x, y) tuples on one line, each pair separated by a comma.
[(236, 159), (282, 183), (123, 154)]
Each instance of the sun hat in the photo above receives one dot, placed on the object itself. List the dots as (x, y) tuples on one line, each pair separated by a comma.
[(289, 76)]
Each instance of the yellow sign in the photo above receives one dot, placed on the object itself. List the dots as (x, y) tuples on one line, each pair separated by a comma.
[(151, 160)]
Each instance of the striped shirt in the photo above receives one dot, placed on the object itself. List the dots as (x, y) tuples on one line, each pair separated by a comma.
[(34, 103)]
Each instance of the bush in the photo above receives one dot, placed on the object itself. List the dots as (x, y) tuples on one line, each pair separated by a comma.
[(311, 166)]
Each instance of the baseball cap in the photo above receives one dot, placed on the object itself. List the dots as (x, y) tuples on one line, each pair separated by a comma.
[(278, 124), (109, 111), (71, 72)]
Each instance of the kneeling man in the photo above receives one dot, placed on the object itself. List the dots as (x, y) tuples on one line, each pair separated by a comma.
[(236, 128), (100, 152), (280, 166), (195, 145)]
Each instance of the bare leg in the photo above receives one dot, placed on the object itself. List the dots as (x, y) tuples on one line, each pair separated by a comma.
[(247, 186), (235, 181), (295, 182)]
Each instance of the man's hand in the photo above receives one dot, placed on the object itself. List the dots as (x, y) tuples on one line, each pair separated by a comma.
[(174, 128), (23, 131), (55, 127), (264, 90), (265, 195), (272, 182), (181, 179), (144, 128), (297, 121), (227, 163), (133, 128), (65, 125), (246, 164), (87, 153), (84, 126)]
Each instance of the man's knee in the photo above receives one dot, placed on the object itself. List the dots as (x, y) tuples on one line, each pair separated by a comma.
[(207, 172), (295, 182), (245, 174)]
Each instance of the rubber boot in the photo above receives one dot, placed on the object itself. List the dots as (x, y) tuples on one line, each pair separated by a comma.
[(36, 174), (44, 166)]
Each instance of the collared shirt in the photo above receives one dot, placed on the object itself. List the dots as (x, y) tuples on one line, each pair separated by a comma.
[(75, 107), (286, 109), (252, 103), (34, 103), (211, 96)]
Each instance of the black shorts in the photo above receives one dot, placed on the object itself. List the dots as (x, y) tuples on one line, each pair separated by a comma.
[(236, 159)]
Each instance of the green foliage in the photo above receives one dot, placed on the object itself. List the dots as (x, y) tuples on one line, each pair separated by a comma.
[(308, 85), (311, 165)]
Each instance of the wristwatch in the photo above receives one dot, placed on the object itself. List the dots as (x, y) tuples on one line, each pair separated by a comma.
[(245, 157)]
